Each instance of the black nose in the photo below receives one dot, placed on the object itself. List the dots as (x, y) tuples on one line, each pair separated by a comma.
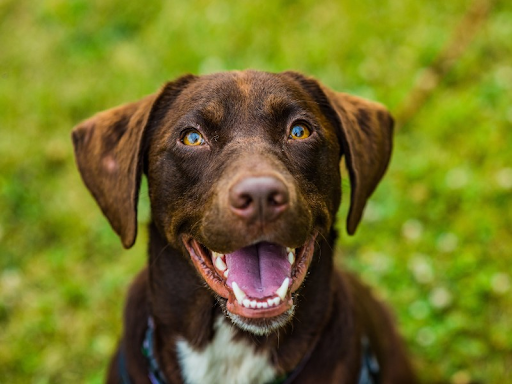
[(262, 198)]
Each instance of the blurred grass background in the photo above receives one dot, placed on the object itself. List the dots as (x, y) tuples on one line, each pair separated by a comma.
[(436, 238)]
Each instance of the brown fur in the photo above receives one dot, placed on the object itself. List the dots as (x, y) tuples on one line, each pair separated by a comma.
[(245, 117)]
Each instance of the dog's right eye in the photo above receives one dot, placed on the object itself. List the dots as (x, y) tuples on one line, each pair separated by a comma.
[(192, 137)]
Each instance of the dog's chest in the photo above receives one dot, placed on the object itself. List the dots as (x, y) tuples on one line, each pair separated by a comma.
[(224, 360)]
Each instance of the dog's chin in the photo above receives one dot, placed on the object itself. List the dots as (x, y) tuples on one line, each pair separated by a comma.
[(258, 326), (254, 284)]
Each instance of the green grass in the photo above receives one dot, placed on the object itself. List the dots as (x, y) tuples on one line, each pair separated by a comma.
[(436, 240)]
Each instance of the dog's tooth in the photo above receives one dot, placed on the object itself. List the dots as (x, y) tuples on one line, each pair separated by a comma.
[(270, 302), (276, 300), (246, 303), (264, 305), (281, 291), (239, 294), (291, 258), (259, 305), (219, 263), (253, 304), (226, 273)]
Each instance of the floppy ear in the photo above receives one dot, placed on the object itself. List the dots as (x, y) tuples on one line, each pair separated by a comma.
[(367, 133), (365, 129), (109, 153)]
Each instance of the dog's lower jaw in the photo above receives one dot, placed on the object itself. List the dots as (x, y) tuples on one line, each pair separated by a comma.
[(259, 327)]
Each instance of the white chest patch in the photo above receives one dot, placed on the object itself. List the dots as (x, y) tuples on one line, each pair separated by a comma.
[(224, 361)]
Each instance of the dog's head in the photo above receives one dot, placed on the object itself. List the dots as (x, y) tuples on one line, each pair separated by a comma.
[(243, 175)]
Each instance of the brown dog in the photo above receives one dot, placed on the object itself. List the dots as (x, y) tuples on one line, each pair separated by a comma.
[(244, 184)]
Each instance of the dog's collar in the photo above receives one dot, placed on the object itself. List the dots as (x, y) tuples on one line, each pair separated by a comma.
[(369, 366), (370, 369), (155, 375)]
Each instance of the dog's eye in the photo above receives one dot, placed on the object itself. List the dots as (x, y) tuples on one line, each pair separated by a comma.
[(192, 137), (299, 132)]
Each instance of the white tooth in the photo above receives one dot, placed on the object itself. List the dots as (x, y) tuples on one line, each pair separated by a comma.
[(264, 305), (226, 272), (276, 300), (219, 263), (259, 305), (253, 304), (291, 258), (215, 255), (246, 303), (239, 294), (270, 302), (281, 291)]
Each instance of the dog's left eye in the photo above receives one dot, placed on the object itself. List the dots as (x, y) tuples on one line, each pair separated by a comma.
[(299, 132), (192, 137)]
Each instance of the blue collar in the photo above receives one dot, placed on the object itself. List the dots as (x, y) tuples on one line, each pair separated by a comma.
[(370, 369), (369, 366), (156, 376)]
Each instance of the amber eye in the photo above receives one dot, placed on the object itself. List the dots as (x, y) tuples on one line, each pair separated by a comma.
[(299, 132), (192, 137)]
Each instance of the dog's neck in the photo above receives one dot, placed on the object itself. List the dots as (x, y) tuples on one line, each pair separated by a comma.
[(184, 308)]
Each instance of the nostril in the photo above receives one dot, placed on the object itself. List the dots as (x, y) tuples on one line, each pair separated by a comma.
[(239, 200), (244, 201), (278, 198)]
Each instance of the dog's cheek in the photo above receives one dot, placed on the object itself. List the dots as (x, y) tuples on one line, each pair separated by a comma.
[(319, 215), (329, 175), (330, 186), (172, 206), (320, 181)]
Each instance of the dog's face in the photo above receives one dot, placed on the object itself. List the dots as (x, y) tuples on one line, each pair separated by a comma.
[(243, 169), (243, 175)]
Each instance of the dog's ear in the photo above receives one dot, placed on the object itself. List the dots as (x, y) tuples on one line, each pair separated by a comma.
[(109, 153), (365, 129), (367, 133)]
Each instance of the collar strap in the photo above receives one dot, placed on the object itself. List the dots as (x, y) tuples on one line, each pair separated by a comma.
[(369, 373), (370, 369), (155, 374)]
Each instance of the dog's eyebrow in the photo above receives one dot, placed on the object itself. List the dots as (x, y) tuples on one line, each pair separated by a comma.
[(276, 105), (213, 112), (281, 108)]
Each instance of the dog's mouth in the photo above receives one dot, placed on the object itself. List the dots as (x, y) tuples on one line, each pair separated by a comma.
[(258, 280)]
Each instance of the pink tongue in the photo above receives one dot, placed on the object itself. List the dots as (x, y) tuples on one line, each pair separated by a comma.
[(259, 270)]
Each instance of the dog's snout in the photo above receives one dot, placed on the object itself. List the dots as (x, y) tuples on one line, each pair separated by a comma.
[(262, 198)]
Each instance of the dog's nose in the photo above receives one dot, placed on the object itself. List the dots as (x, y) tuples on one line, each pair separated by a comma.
[(264, 198)]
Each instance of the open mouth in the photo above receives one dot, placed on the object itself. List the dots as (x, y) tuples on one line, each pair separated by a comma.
[(258, 280)]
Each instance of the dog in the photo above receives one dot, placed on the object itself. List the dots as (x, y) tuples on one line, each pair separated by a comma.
[(244, 181)]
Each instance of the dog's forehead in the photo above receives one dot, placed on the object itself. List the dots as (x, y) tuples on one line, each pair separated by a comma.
[(221, 93)]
